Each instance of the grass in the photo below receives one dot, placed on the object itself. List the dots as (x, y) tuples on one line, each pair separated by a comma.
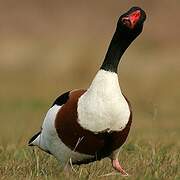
[(142, 159)]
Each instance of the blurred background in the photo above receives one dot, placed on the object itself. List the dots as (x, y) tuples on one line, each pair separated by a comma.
[(49, 47)]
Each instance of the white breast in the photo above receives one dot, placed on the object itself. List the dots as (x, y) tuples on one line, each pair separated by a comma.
[(103, 107)]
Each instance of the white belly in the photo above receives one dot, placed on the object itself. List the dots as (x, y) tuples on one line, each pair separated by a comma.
[(103, 107), (51, 142)]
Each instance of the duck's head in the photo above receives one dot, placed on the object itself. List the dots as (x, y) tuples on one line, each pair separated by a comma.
[(131, 23)]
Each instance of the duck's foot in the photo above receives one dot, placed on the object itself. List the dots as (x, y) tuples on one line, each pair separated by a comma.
[(116, 165)]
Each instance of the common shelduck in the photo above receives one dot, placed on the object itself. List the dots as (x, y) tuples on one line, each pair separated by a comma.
[(83, 126)]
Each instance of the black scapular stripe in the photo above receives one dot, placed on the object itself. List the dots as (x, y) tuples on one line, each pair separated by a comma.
[(62, 99)]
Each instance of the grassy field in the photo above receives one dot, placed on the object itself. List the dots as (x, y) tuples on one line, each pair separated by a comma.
[(50, 51), (142, 159)]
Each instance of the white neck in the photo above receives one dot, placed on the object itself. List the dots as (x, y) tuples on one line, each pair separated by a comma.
[(105, 81)]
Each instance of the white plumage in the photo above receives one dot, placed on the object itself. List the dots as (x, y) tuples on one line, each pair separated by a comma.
[(103, 106)]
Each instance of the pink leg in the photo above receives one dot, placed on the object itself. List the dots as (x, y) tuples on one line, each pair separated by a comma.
[(117, 166)]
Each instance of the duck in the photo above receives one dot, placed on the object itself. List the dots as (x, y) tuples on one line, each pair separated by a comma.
[(87, 125)]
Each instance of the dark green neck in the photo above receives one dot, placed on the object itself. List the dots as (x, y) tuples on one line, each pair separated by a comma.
[(117, 47)]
